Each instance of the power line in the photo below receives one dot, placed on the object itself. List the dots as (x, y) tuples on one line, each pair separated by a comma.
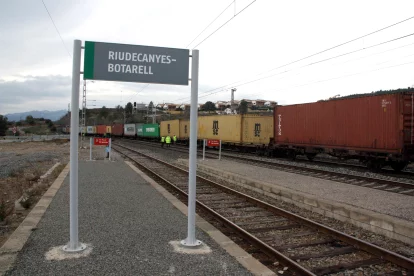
[(310, 64), (216, 29), (295, 61), (225, 23), (210, 23), (136, 93), (334, 78), (56, 29)]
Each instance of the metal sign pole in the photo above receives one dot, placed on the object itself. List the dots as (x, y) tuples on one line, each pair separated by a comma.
[(204, 148), (90, 149), (74, 244), (191, 240), (220, 151), (110, 144)]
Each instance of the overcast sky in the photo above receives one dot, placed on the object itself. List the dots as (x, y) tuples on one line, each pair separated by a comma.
[(35, 65)]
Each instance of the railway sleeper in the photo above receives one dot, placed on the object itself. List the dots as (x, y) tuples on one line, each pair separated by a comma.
[(271, 228), (331, 253), (346, 266), (282, 247), (246, 223)]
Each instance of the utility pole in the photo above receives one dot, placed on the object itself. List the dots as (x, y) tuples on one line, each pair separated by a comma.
[(154, 117), (232, 98)]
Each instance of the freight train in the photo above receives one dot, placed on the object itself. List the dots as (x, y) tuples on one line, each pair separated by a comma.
[(374, 129)]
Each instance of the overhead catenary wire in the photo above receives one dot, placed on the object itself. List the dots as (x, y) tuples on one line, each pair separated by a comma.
[(317, 53), (334, 78), (216, 29), (225, 23), (50, 16), (211, 23), (222, 88)]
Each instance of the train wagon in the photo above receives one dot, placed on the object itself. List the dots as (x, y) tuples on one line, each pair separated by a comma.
[(170, 128), (246, 132), (101, 130), (376, 129), (82, 129), (184, 134), (129, 130), (108, 130), (117, 130), (90, 130), (140, 130), (151, 131)]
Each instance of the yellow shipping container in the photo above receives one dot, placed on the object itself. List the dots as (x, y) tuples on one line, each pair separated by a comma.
[(257, 130), (184, 130), (108, 129), (222, 127), (170, 128), (237, 129)]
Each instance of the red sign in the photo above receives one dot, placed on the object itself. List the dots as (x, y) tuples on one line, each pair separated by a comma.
[(213, 143), (101, 141)]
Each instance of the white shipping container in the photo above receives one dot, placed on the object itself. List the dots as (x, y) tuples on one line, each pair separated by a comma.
[(129, 130)]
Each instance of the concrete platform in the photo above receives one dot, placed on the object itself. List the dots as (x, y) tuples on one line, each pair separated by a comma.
[(382, 212), (130, 229)]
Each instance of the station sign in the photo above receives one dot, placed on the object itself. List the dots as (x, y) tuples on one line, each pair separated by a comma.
[(101, 141), (213, 143), (136, 63)]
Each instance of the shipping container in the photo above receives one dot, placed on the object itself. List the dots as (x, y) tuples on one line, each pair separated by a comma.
[(248, 130), (257, 130), (90, 130), (117, 130), (140, 130), (377, 125), (101, 129), (184, 130), (129, 130), (151, 131), (82, 129), (170, 128)]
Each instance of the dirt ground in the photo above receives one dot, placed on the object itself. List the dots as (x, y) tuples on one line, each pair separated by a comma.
[(21, 165)]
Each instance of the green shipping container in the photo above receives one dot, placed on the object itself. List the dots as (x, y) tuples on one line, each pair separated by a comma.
[(139, 128), (151, 130)]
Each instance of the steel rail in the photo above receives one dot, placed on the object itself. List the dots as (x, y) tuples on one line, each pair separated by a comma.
[(358, 243)]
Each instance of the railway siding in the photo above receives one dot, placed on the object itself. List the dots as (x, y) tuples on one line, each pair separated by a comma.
[(376, 222)]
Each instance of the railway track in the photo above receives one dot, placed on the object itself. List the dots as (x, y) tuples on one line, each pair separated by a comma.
[(399, 187), (302, 246)]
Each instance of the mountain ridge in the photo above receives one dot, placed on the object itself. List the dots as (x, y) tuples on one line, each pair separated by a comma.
[(46, 114)]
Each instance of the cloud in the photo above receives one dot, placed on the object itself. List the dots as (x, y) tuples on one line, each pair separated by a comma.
[(48, 91)]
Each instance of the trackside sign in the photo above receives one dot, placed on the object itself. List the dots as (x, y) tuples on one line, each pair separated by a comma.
[(135, 63)]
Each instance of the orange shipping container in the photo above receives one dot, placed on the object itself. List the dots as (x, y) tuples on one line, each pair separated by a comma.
[(379, 123), (101, 129)]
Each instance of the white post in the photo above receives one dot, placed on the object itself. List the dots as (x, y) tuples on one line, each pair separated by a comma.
[(74, 244), (110, 144), (191, 240), (90, 149), (220, 151), (204, 148)]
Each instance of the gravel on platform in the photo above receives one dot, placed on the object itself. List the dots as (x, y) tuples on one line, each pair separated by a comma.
[(129, 225), (393, 204)]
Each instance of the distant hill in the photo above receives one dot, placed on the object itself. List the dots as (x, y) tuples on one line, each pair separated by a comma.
[(51, 115)]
